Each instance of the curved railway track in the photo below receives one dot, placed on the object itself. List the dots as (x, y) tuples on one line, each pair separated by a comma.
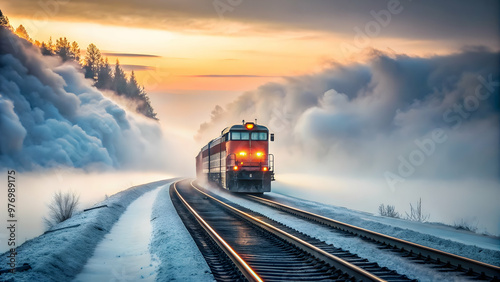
[(261, 249)]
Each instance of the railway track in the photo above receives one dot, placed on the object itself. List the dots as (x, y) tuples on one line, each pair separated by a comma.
[(445, 262), (239, 244), (475, 270)]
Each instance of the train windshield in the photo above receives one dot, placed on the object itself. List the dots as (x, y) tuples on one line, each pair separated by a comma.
[(259, 136), (242, 135), (238, 135), (235, 135)]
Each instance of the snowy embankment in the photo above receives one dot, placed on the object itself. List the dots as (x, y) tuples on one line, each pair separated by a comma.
[(139, 236), (61, 254), (180, 258)]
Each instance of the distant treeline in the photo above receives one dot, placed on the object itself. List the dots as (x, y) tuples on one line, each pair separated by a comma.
[(94, 65)]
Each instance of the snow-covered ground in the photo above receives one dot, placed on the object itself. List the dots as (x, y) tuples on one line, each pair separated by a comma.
[(148, 243), (62, 254), (124, 254), (37, 189), (140, 237), (137, 237), (442, 231), (180, 258)]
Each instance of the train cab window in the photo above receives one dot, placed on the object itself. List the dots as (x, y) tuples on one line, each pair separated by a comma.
[(238, 135), (235, 135), (262, 136), (245, 136)]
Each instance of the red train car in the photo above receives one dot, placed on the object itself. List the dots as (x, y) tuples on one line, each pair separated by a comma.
[(239, 160)]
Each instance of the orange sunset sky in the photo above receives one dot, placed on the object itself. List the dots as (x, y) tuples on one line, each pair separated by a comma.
[(221, 48), (182, 46)]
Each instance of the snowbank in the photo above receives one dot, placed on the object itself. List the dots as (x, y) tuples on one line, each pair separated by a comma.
[(60, 255), (180, 258)]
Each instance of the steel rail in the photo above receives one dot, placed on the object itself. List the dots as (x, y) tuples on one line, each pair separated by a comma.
[(340, 264), (245, 269), (460, 262)]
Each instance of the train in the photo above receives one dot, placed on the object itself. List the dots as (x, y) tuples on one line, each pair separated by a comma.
[(238, 160)]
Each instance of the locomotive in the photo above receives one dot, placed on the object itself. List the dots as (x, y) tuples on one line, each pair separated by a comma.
[(239, 160)]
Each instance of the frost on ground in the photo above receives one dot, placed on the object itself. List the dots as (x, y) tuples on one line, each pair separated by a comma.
[(60, 255), (181, 259)]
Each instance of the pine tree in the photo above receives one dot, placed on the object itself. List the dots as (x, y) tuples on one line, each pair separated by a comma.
[(50, 46), (137, 93), (4, 22), (91, 61), (95, 67), (133, 88), (21, 32), (104, 76), (119, 81), (144, 106), (63, 49), (75, 51), (46, 50)]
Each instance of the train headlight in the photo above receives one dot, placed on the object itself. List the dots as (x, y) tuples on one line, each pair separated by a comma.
[(259, 154), (249, 126), (264, 169), (242, 153), (235, 167)]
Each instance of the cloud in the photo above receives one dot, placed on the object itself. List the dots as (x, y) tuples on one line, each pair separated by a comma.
[(476, 20), (51, 116), (136, 67), (262, 53), (231, 75), (361, 119), (112, 54)]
